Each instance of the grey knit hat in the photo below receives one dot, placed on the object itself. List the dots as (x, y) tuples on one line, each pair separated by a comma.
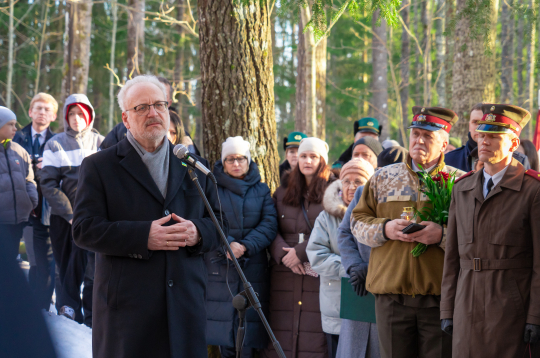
[(371, 143), (6, 115)]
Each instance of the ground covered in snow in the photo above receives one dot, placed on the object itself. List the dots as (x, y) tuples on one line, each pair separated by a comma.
[(70, 339)]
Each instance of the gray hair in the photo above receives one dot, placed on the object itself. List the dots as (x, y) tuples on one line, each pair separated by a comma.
[(139, 79)]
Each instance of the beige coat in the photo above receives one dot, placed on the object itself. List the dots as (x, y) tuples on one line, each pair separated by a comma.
[(490, 307)]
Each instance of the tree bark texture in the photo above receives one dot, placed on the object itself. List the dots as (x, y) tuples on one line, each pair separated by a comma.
[(440, 53), (519, 58), (76, 48), (10, 55), (320, 62), (238, 82), (379, 83), (405, 64), (418, 63), (473, 72), (112, 104), (306, 94), (507, 54), (427, 23), (179, 63), (529, 94), (135, 39), (449, 60)]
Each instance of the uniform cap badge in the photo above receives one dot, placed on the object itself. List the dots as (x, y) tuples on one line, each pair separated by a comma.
[(492, 108), (490, 118), (298, 137), (421, 118), (370, 124), (423, 109)]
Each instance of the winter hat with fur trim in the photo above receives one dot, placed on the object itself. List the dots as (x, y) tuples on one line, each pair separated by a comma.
[(357, 166), (312, 144), (235, 145)]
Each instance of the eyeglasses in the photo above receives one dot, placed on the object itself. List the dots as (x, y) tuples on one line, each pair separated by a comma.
[(240, 160), (355, 183), (143, 109)]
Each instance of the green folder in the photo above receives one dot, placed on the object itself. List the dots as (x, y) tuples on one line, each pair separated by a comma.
[(354, 307)]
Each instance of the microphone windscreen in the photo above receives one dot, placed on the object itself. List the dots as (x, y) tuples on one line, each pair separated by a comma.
[(180, 151)]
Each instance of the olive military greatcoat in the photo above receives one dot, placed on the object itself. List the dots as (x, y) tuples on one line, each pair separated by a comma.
[(491, 277)]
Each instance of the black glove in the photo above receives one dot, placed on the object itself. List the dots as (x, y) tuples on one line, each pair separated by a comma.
[(447, 325), (532, 333), (358, 279)]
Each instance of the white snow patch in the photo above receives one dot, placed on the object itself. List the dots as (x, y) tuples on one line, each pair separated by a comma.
[(70, 339)]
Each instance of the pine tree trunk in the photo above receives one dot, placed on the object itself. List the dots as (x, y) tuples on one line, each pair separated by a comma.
[(519, 59), (10, 55), (379, 83), (112, 103), (179, 63), (507, 54), (77, 48), (301, 117), (529, 93), (449, 40), (426, 34), (418, 64), (473, 72), (44, 21), (441, 53), (238, 81), (320, 62), (405, 64), (135, 39)]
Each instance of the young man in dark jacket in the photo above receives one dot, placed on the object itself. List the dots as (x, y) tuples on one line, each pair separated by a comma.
[(42, 111), (62, 159), (18, 194)]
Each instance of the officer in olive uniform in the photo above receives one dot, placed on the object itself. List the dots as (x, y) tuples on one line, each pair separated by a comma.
[(491, 280), (364, 127), (290, 145)]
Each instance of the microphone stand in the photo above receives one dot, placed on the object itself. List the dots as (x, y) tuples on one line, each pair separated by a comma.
[(248, 297)]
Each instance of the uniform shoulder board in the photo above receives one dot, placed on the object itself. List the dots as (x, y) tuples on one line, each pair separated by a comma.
[(465, 175), (533, 173)]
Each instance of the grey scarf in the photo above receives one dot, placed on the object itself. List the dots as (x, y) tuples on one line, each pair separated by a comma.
[(157, 162)]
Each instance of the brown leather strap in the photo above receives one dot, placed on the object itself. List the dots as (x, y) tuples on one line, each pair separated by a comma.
[(504, 264)]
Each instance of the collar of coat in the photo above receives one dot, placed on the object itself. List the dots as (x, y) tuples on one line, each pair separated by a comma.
[(131, 161), (512, 179), (438, 168), (332, 201)]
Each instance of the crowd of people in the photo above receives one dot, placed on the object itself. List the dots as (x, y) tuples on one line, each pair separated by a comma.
[(113, 209)]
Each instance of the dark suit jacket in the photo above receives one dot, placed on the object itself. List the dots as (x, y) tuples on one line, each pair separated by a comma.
[(146, 303)]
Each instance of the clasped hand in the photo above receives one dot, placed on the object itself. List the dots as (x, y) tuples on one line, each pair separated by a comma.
[(292, 261), (430, 235), (183, 233)]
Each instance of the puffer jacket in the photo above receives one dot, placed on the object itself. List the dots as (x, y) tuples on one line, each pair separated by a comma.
[(62, 159), (252, 218), (18, 192), (325, 258)]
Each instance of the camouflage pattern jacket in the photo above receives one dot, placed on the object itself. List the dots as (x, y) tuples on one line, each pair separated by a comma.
[(392, 268)]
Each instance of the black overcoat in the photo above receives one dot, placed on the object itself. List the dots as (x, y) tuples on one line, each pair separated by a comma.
[(145, 303)]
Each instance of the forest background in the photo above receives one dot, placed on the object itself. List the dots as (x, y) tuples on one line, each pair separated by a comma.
[(451, 53)]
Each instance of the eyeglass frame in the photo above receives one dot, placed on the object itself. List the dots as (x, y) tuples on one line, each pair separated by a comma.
[(351, 182), (240, 160), (149, 105)]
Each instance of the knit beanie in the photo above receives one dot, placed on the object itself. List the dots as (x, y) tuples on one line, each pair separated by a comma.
[(357, 166), (312, 144), (371, 143), (389, 143), (84, 109), (235, 145), (392, 155), (6, 115)]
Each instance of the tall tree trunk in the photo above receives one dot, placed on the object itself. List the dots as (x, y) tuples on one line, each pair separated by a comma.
[(238, 81), (507, 54), (379, 83), (45, 9), (418, 64), (473, 71), (10, 55), (135, 39), (529, 93), (449, 40), (405, 64), (114, 10), (441, 52), (320, 62), (519, 58), (306, 94), (427, 23), (77, 48), (179, 63)]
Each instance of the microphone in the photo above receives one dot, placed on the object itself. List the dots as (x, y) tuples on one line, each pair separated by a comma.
[(183, 154)]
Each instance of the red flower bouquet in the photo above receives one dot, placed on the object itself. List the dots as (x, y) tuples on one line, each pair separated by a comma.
[(438, 189)]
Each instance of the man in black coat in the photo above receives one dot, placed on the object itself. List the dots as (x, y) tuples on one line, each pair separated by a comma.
[(137, 208)]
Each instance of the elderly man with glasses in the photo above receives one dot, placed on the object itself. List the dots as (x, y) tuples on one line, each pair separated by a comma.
[(139, 211)]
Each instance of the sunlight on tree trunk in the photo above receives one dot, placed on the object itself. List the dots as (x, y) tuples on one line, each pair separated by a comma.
[(379, 83), (10, 55), (114, 10), (135, 40)]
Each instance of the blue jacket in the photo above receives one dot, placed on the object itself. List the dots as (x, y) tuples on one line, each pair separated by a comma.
[(353, 253), (252, 218)]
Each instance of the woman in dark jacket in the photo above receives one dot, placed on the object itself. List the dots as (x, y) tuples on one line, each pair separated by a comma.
[(295, 315), (249, 209)]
